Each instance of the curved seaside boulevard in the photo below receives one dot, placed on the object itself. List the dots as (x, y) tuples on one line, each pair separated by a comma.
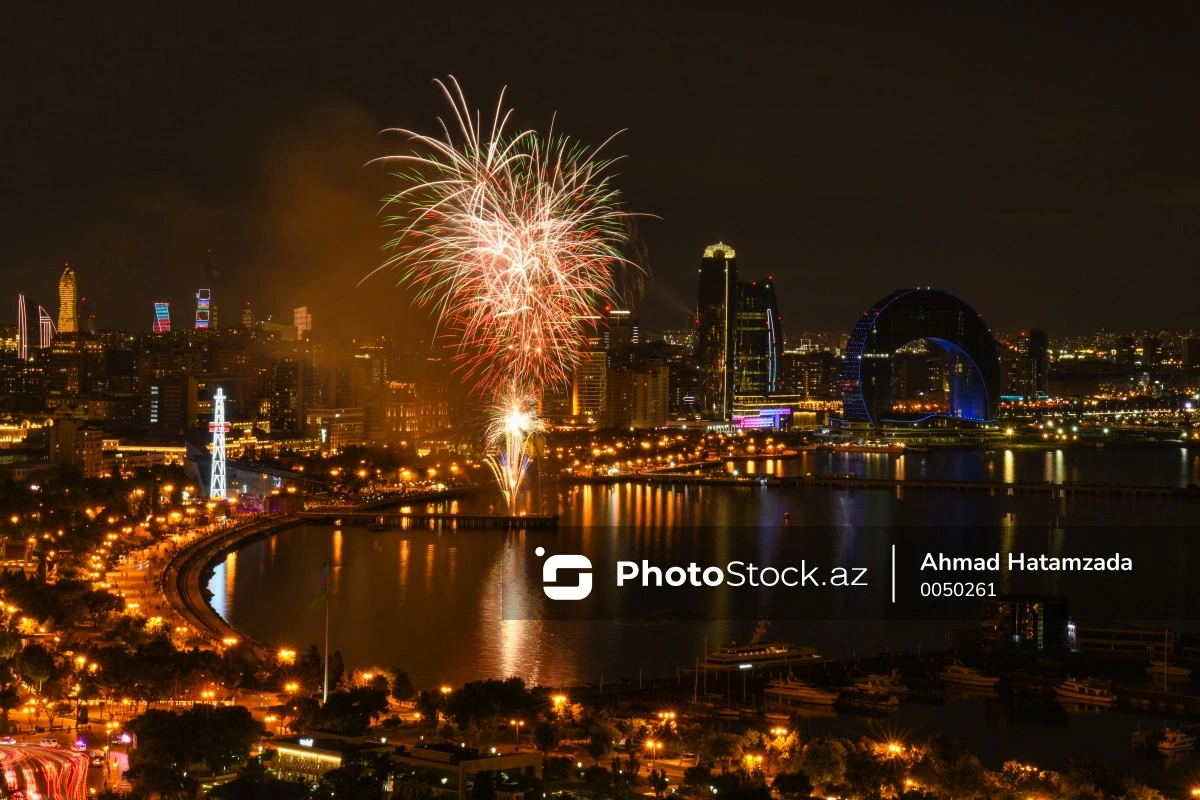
[(184, 576)]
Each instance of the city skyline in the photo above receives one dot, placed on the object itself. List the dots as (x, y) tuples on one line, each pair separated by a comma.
[(1069, 184)]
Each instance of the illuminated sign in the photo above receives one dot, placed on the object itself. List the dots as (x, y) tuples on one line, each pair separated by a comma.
[(306, 742), (763, 418)]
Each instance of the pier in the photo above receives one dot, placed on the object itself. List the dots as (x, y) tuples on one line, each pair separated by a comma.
[(854, 482), (415, 519)]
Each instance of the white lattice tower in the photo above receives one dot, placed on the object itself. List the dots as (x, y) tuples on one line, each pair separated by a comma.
[(219, 427)]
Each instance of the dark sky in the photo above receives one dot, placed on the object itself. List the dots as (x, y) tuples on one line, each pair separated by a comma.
[(1040, 162)]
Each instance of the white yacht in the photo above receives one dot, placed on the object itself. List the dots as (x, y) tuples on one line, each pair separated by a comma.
[(960, 674), (1086, 692), (799, 691), (757, 653), (1160, 666), (891, 682), (1174, 740), (869, 695)]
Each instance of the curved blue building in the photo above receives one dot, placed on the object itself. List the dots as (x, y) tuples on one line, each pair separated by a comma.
[(943, 321)]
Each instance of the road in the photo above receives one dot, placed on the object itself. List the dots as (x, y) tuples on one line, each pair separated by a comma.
[(45, 773)]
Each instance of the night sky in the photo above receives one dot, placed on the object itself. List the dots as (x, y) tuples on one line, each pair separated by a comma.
[(1041, 163)]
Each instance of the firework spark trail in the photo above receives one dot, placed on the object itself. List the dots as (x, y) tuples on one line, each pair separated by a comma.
[(512, 427), (513, 241)]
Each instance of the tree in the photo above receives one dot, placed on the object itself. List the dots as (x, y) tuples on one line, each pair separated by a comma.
[(99, 604), (255, 783), (9, 699), (36, 665), (598, 747), (624, 776), (793, 785), (658, 782), (399, 684), (825, 761), (429, 706), (697, 779), (950, 769), (545, 736)]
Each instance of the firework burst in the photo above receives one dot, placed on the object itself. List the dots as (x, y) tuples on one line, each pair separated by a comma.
[(513, 241)]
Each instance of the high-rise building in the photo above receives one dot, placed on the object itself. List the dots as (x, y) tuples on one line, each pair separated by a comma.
[(302, 320), (1151, 351), (22, 329), (1126, 352), (1191, 352), (162, 317), (637, 397), (203, 310), (86, 321), (45, 328), (589, 385), (716, 303), (620, 330), (73, 444), (758, 344), (247, 317), (287, 396), (1039, 353), (813, 376), (68, 294)]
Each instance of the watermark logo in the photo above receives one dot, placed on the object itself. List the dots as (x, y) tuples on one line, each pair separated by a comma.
[(565, 561)]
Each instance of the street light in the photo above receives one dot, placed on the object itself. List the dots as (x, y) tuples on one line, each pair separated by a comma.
[(517, 723), (655, 748)]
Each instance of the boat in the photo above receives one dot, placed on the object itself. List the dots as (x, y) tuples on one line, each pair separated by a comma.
[(960, 674), (728, 713), (870, 696), (799, 691), (757, 653), (1160, 666), (775, 716), (891, 681), (1088, 692), (1174, 740)]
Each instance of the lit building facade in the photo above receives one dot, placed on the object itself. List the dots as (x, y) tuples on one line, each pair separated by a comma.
[(68, 302), (944, 322), (203, 309), (162, 318), (758, 343), (637, 397), (589, 385), (716, 303)]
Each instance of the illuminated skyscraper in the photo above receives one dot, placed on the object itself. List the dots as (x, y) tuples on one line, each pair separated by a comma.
[(715, 317), (759, 340), (45, 328), (203, 301), (68, 295), (247, 317), (162, 317), (302, 320), (22, 329)]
